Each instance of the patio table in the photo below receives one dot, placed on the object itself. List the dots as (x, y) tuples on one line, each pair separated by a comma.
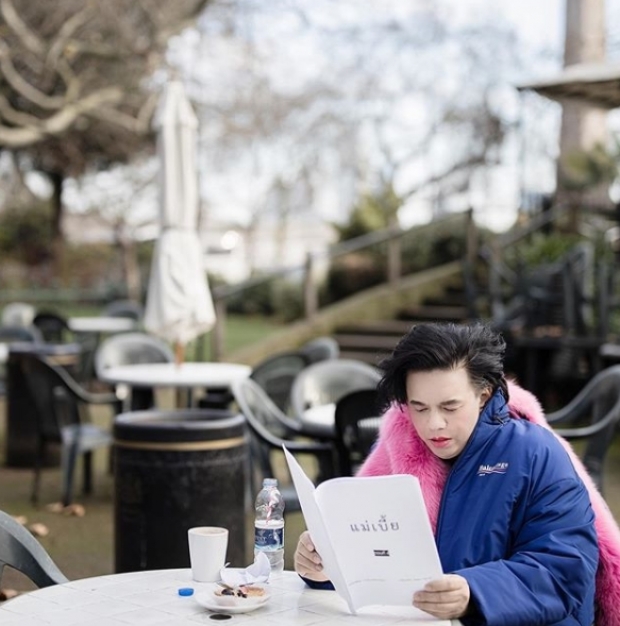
[(151, 597), (100, 325), (206, 375), (319, 421)]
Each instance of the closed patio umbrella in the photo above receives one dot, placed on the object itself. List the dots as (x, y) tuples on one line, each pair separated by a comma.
[(179, 306)]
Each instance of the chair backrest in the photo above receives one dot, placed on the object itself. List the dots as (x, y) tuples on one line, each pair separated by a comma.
[(276, 374), (593, 414), (129, 349), (326, 382), (18, 314), (321, 349), (53, 392), (264, 420), (268, 429), (124, 308), (53, 327), (357, 422), (30, 334), (21, 551)]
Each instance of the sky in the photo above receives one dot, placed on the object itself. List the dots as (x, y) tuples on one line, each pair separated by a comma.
[(232, 191)]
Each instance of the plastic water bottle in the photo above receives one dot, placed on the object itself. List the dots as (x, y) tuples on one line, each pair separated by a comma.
[(269, 524)]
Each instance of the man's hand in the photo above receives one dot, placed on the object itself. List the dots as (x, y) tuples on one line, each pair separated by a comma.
[(446, 598), (308, 562)]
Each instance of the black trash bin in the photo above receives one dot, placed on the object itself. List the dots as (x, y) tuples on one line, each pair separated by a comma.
[(21, 411), (175, 470)]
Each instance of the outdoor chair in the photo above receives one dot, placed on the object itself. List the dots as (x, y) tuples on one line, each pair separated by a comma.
[(124, 308), (16, 334), (130, 349), (326, 382), (321, 349), (270, 430), (52, 326), (61, 419), (357, 422), (21, 551), (276, 374), (593, 416), (17, 314)]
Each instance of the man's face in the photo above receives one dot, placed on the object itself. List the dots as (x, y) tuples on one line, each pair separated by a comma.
[(444, 408)]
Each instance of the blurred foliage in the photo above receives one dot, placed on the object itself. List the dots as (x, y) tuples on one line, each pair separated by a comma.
[(589, 168), (435, 245), (373, 212), (541, 248), (25, 233), (280, 298)]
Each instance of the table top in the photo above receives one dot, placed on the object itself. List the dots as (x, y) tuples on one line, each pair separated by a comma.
[(200, 374), (101, 324), (320, 415), (151, 598)]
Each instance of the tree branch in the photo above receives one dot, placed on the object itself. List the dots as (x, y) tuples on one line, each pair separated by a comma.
[(56, 124), (24, 34), (66, 32), (22, 86)]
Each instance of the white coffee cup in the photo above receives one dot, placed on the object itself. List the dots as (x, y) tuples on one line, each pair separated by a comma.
[(207, 552)]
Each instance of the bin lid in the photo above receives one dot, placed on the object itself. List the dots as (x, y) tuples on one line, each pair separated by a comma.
[(185, 425)]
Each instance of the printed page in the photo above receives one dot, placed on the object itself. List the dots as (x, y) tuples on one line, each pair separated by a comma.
[(314, 523), (382, 537)]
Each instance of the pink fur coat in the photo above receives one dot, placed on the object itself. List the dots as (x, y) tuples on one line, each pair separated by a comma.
[(404, 453)]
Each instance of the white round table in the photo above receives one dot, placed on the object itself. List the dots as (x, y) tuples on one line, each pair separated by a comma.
[(200, 374), (151, 598), (101, 324)]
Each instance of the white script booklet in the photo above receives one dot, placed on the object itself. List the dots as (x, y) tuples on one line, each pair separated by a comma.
[(373, 534)]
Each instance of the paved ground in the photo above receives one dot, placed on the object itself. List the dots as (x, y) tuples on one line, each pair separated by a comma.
[(83, 546)]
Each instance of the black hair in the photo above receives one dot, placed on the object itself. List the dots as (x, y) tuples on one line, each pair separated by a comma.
[(439, 346)]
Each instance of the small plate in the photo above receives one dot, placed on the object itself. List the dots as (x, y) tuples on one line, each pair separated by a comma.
[(229, 604)]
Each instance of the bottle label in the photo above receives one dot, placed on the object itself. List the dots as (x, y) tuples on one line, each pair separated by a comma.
[(268, 538)]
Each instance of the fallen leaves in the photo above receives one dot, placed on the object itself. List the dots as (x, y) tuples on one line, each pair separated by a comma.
[(76, 510)]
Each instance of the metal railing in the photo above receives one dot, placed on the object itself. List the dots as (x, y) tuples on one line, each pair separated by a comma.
[(391, 236)]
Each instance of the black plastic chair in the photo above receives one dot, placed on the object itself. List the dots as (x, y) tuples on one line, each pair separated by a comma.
[(357, 422), (326, 382), (60, 402), (21, 551), (130, 349), (321, 349), (276, 374), (53, 327), (16, 334), (124, 308), (269, 431), (596, 412)]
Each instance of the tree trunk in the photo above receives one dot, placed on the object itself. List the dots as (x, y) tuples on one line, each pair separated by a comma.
[(57, 243)]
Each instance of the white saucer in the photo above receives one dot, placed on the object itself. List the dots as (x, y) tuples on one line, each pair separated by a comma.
[(229, 604)]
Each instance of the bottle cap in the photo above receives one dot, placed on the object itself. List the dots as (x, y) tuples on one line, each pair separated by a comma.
[(270, 482), (186, 591)]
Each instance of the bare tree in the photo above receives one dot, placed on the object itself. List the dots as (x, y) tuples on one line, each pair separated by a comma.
[(74, 80), (345, 119)]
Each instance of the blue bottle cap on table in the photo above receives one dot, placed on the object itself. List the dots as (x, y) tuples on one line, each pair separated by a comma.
[(186, 591)]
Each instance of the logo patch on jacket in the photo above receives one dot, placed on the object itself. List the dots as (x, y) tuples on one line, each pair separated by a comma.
[(498, 468)]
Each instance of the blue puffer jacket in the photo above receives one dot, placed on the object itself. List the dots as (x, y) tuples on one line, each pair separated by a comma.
[(515, 520)]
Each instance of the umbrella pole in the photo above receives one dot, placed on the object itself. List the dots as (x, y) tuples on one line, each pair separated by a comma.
[(179, 352), (183, 397)]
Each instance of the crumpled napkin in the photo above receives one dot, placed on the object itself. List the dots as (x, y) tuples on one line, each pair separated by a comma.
[(258, 572)]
